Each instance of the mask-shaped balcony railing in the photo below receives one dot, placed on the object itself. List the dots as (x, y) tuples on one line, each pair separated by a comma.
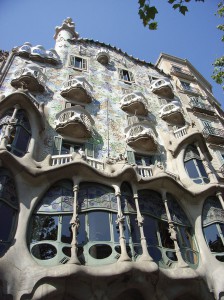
[(202, 107), (213, 135), (77, 89), (31, 78), (172, 113), (162, 87), (141, 137), (103, 57), (134, 103), (74, 122)]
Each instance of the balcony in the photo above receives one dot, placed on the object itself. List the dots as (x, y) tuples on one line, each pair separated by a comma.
[(134, 103), (77, 89), (181, 72), (141, 137), (103, 57), (172, 113), (30, 78), (74, 122), (162, 87), (202, 107), (213, 135)]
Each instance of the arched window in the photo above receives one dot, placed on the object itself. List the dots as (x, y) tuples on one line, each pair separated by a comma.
[(8, 210), (185, 234), (213, 226), (156, 229), (17, 131), (194, 165), (50, 233)]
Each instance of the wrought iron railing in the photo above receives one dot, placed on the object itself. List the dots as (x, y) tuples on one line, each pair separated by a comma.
[(180, 70), (208, 131), (202, 106)]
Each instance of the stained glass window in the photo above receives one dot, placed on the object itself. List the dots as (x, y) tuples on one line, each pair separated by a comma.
[(8, 209)]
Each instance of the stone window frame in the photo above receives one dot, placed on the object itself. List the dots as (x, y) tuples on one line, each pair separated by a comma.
[(82, 60), (130, 76)]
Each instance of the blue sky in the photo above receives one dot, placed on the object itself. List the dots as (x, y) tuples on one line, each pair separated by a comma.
[(116, 22)]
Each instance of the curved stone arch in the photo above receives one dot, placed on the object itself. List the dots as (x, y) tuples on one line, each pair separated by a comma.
[(213, 226), (28, 103), (9, 207), (33, 109)]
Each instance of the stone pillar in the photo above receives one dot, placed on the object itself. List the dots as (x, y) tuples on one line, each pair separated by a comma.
[(75, 223), (120, 221), (206, 164), (219, 195), (173, 234), (140, 219)]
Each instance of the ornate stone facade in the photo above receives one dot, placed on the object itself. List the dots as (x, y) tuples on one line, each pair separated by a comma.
[(111, 176)]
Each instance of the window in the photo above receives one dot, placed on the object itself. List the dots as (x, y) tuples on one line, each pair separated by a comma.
[(194, 165), (63, 147), (78, 63), (17, 130), (186, 85), (141, 160), (213, 226), (157, 233), (126, 76), (8, 210)]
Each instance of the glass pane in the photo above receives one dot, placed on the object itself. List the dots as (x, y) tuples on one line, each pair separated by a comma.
[(65, 148), (117, 231), (191, 169), (44, 228), (138, 160), (21, 140), (7, 214), (78, 62), (165, 235), (135, 231), (213, 239), (66, 232), (99, 227), (185, 239), (44, 251), (100, 251), (155, 253), (150, 230), (201, 168)]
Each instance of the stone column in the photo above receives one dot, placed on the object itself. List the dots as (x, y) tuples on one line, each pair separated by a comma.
[(140, 219), (75, 223), (219, 195), (173, 234), (206, 164), (120, 221)]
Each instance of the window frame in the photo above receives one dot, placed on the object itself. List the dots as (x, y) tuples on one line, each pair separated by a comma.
[(83, 61), (131, 78)]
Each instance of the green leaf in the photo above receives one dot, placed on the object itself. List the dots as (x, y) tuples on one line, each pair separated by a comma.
[(141, 3), (171, 1), (151, 12), (175, 6), (153, 26), (183, 9)]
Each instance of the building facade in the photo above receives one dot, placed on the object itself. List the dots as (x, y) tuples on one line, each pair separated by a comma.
[(111, 176)]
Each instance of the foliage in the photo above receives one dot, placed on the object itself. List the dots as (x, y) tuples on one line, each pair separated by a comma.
[(148, 13), (218, 73)]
